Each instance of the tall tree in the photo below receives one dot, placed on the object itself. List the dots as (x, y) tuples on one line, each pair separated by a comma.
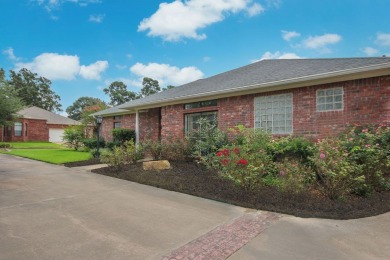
[(76, 110), (168, 87), (149, 87), (118, 93), (10, 103), (34, 90)]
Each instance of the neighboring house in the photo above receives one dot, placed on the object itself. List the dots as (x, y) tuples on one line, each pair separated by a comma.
[(310, 97), (36, 124)]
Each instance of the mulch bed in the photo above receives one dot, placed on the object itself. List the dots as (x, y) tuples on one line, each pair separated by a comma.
[(83, 163), (194, 179)]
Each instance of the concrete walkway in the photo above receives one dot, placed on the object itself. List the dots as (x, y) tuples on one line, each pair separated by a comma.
[(54, 212)]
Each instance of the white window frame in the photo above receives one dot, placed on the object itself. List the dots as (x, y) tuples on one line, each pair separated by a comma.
[(328, 103), (273, 114), (18, 133), (201, 114)]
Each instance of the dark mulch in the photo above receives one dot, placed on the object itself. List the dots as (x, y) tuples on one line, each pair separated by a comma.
[(196, 180), (83, 163)]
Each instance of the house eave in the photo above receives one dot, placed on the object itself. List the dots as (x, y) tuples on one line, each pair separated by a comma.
[(318, 79)]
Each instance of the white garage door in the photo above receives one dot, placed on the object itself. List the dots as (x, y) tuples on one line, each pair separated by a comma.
[(55, 135)]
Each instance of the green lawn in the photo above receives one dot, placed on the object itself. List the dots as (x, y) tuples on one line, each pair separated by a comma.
[(34, 145), (46, 152)]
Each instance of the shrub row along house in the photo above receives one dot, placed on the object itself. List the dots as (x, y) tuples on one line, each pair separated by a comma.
[(36, 124), (310, 97)]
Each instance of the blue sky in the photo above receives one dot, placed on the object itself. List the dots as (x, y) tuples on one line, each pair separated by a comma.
[(84, 45)]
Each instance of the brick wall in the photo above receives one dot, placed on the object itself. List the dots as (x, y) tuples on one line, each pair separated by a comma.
[(148, 124), (366, 101), (37, 130)]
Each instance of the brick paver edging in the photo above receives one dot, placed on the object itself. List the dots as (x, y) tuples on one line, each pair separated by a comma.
[(226, 239)]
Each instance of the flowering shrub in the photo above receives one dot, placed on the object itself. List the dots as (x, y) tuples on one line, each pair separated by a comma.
[(337, 174), (369, 146), (245, 162), (294, 176), (356, 163)]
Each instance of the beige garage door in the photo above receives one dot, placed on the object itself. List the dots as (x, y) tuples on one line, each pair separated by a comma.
[(55, 135)]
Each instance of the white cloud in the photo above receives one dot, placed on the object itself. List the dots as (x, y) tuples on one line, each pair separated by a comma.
[(255, 9), (66, 67), (320, 41), (50, 5), (93, 70), (278, 55), (176, 20), (383, 39), (53, 66), (166, 74), (63, 113), (96, 18), (369, 51), (10, 54), (288, 35), (120, 67), (128, 82), (274, 3)]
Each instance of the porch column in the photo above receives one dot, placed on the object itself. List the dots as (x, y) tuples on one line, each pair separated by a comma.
[(136, 127)]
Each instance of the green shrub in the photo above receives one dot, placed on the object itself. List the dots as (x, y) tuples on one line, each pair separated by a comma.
[(291, 147), (153, 148), (112, 145), (206, 140), (128, 153), (73, 136), (369, 147), (337, 174), (96, 154), (122, 135), (5, 145), (294, 176), (176, 149), (173, 149), (91, 143)]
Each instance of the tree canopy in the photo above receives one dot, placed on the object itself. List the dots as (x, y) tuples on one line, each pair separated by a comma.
[(118, 93), (149, 87), (10, 103), (34, 90), (77, 109)]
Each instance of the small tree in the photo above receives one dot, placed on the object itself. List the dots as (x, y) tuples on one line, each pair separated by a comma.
[(73, 136)]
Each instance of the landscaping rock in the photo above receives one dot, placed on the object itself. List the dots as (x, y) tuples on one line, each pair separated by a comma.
[(156, 165)]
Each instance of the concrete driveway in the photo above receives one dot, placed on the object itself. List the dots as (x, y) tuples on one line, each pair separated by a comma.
[(53, 212)]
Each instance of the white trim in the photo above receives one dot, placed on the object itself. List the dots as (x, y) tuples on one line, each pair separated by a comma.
[(330, 110), (136, 127)]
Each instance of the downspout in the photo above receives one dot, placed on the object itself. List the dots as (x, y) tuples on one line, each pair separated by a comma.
[(137, 127)]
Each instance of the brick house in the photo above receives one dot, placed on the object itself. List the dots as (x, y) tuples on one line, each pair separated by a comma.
[(310, 97), (36, 124)]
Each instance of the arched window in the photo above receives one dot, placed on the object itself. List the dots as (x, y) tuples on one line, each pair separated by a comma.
[(18, 129)]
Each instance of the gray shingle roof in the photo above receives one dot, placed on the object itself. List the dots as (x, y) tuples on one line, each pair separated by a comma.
[(259, 74), (52, 118)]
